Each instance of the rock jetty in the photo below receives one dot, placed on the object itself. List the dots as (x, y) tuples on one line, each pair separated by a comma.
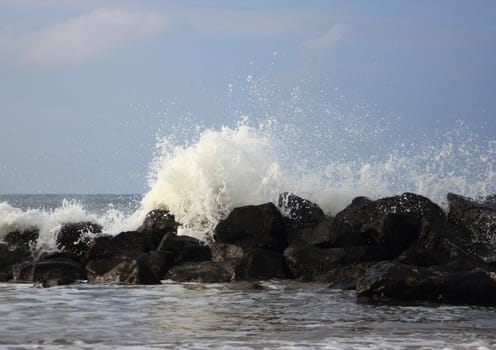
[(399, 249)]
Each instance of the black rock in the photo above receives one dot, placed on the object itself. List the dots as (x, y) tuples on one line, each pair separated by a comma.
[(225, 251), (76, 238), (478, 219), (184, 248), (389, 281), (58, 269), (24, 240), (260, 264), (204, 272), (259, 226), (8, 259)]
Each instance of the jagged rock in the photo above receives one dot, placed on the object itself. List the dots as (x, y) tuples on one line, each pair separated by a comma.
[(145, 268), (58, 269), (129, 257), (307, 262), (224, 251), (159, 220), (390, 281), (23, 240), (475, 287), (184, 248), (259, 226), (260, 264), (76, 238), (8, 259), (23, 272), (345, 277), (390, 225), (478, 219), (305, 221), (204, 272)]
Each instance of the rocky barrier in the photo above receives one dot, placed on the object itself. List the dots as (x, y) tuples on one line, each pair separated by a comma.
[(398, 249)]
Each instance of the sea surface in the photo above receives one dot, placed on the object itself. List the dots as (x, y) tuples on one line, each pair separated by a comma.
[(264, 315), (268, 315)]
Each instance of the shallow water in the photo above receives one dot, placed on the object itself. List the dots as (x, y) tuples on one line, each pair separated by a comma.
[(282, 315)]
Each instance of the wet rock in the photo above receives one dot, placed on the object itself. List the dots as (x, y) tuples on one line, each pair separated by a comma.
[(260, 264), (157, 223), (58, 269), (389, 281), (204, 272), (184, 248), (23, 272), (307, 262), (145, 268), (388, 225), (8, 259), (24, 240), (475, 287), (259, 226), (394, 282), (224, 251), (478, 219), (129, 257), (76, 238), (345, 277), (305, 221)]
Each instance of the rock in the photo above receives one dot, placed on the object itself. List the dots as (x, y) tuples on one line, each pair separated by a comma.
[(76, 238), (305, 221), (58, 269), (142, 269), (184, 248), (23, 272), (24, 240), (478, 219), (307, 262), (129, 257), (204, 272), (389, 225), (475, 287), (389, 281), (159, 220), (394, 282), (260, 264), (8, 259), (224, 251), (259, 226), (345, 277)]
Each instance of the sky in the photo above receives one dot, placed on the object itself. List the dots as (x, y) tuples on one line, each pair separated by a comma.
[(87, 86)]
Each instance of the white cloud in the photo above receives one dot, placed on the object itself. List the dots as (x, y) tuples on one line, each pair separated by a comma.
[(90, 36), (326, 40)]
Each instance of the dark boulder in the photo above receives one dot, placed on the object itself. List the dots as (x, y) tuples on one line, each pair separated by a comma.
[(157, 223), (204, 272), (475, 287), (260, 264), (23, 272), (184, 248), (478, 219), (388, 225), (58, 269), (307, 262), (76, 238), (146, 268), (129, 257), (224, 251), (394, 282), (389, 281), (259, 226), (24, 240), (8, 259), (305, 221)]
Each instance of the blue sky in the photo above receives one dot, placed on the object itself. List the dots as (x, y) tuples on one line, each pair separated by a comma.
[(86, 86)]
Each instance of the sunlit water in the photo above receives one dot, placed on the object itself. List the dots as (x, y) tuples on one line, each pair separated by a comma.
[(282, 315)]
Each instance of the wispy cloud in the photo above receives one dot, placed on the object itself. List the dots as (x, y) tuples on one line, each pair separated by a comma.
[(327, 39), (90, 37)]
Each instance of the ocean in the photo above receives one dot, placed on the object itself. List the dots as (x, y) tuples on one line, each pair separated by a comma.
[(200, 182)]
